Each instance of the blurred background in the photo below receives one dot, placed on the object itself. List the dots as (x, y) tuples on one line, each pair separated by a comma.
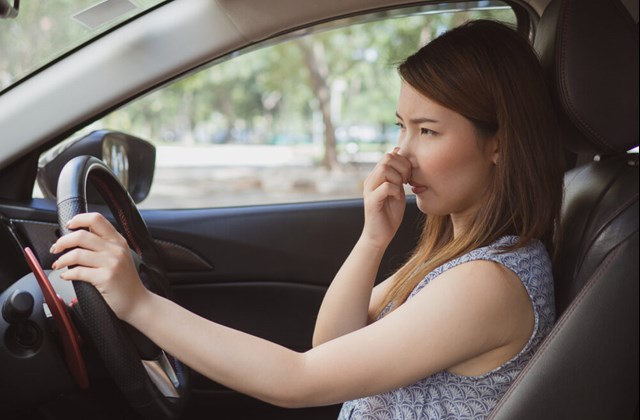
[(299, 118)]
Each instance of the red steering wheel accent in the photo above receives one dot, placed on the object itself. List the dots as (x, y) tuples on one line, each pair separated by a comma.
[(68, 332)]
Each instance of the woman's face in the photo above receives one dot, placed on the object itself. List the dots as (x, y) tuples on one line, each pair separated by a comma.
[(452, 167)]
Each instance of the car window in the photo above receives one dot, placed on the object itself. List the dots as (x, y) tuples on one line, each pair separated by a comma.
[(303, 118), (42, 31)]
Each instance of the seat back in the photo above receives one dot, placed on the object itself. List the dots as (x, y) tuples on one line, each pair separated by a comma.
[(587, 368)]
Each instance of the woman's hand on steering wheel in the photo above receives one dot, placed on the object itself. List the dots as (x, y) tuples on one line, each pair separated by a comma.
[(99, 255)]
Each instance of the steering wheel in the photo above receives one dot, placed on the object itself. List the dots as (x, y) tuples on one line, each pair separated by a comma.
[(155, 383)]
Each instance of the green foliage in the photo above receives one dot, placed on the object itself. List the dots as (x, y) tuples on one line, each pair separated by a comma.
[(45, 30), (267, 95)]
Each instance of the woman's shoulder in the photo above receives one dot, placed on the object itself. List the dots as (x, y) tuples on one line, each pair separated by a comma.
[(529, 259), (530, 262), (510, 245), (522, 258)]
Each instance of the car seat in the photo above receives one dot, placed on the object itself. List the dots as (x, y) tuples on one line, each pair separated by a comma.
[(587, 368)]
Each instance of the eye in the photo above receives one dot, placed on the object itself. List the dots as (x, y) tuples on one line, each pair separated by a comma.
[(399, 124), (428, 132)]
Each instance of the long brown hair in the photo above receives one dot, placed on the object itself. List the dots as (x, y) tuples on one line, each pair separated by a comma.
[(489, 73)]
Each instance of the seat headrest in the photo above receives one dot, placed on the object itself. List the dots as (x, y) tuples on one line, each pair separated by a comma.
[(589, 49)]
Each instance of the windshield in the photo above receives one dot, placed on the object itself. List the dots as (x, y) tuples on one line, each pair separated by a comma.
[(45, 30)]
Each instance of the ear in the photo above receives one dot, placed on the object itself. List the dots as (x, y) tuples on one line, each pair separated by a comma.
[(493, 149)]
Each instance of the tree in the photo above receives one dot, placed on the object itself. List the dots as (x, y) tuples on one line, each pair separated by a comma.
[(338, 78), (315, 62)]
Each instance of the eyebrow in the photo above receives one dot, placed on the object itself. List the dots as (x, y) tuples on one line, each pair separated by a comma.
[(419, 120)]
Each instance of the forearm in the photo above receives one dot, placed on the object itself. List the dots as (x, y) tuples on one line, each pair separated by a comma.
[(243, 362), (346, 304)]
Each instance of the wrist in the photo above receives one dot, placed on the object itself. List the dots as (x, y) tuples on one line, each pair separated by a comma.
[(375, 247), (139, 312)]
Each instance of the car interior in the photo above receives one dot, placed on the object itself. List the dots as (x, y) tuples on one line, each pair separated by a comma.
[(265, 269)]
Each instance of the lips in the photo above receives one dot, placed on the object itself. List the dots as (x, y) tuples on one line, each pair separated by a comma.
[(417, 188)]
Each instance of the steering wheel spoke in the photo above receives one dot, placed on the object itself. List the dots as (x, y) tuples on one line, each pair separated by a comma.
[(163, 375)]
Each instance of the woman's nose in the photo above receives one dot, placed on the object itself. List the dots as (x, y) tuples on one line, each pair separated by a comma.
[(403, 145), (405, 150)]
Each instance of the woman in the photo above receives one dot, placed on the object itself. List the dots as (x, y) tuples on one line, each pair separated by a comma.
[(445, 335)]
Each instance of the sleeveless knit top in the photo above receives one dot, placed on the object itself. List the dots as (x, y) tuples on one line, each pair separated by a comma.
[(445, 395)]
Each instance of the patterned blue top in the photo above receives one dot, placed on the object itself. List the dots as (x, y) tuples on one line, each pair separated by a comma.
[(445, 395)]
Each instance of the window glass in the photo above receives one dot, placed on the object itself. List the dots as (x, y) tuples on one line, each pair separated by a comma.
[(302, 119), (45, 30)]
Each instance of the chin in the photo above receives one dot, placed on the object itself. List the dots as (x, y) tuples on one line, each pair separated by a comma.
[(425, 207)]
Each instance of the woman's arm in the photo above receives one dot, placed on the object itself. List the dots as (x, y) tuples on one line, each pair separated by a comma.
[(470, 311), (346, 305)]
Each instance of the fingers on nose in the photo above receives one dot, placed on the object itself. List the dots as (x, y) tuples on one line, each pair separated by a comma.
[(404, 164), (398, 165)]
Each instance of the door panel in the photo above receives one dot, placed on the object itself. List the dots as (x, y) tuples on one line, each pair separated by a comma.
[(293, 243), (271, 266)]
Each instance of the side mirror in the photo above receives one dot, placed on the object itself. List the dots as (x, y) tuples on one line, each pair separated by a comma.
[(7, 11), (130, 158)]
